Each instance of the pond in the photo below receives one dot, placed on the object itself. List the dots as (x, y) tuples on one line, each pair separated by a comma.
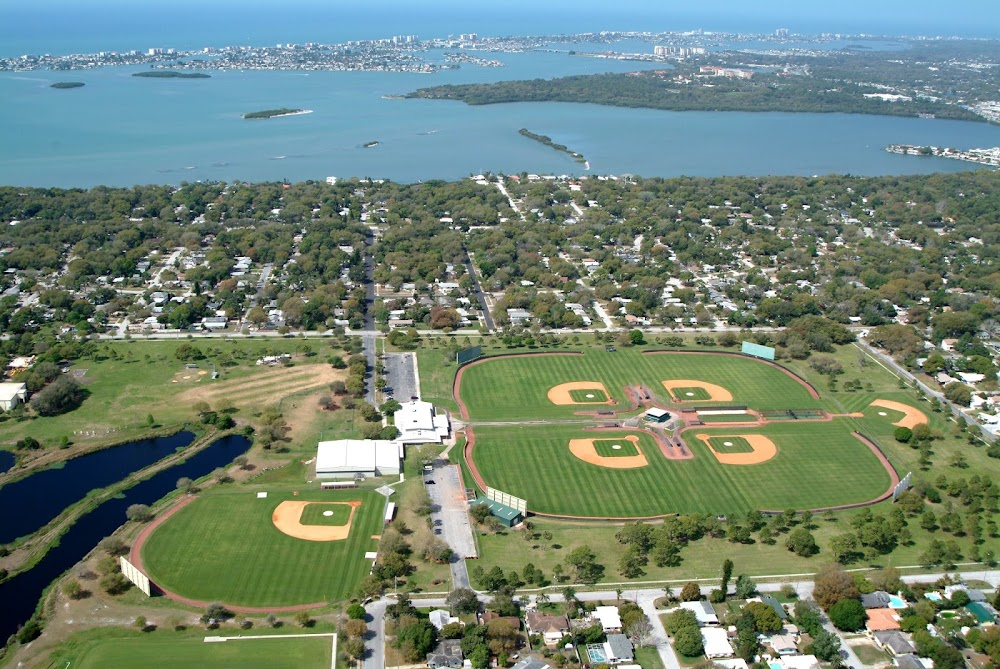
[(21, 593)]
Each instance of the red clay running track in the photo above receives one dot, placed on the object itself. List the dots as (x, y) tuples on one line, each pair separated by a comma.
[(135, 556)]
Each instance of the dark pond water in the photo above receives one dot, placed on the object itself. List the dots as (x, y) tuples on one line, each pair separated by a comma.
[(42, 496), (20, 595), (6, 461)]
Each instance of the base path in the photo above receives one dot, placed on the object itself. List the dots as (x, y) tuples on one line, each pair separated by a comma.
[(135, 557), (585, 450), (715, 393), (287, 517), (911, 418), (763, 449)]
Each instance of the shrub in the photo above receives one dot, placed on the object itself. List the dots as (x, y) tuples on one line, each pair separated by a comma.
[(903, 435)]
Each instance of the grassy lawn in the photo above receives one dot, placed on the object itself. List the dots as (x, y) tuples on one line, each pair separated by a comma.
[(128, 380), (648, 658), (224, 547), (429, 576), (818, 464), (509, 388), (169, 650), (870, 655)]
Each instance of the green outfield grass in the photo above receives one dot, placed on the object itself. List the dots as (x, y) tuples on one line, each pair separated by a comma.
[(730, 444), (224, 547), (592, 396), (186, 653), (818, 464), (693, 394), (515, 388), (728, 418), (606, 448), (315, 514)]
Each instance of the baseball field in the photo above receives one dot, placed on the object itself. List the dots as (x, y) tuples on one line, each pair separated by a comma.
[(236, 548), (541, 441), (508, 386)]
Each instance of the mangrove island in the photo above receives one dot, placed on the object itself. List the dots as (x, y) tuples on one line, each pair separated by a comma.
[(67, 84)]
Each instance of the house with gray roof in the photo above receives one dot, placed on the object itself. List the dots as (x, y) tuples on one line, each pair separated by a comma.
[(894, 641), (618, 649), (531, 663), (875, 600), (447, 654)]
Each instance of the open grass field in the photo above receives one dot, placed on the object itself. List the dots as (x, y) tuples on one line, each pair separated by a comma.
[(224, 547), (515, 387), (184, 653), (818, 464)]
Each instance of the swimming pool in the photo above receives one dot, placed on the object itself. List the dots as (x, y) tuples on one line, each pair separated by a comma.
[(896, 602), (933, 596), (596, 653), (775, 665)]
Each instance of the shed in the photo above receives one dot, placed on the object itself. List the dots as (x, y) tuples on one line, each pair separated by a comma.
[(507, 515), (12, 394)]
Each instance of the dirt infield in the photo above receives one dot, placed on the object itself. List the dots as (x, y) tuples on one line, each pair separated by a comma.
[(586, 451), (715, 393), (763, 449), (912, 417), (287, 516), (561, 394)]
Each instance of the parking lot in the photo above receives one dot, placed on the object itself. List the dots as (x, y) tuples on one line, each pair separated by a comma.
[(450, 516), (401, 376)]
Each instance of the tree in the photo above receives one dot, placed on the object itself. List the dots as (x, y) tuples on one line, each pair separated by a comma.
[(959, 393), (765, 618), (356, 628), (691, 592), (479, 512), (636, 338), (745, 587), (584, 561), (801, 542), (184, 483), (825, 646), (807, 617), (356, 612), (354, 648), (304, 619), (727, 573), (688, 642), (847, 615), (903, 435), (462, 600), (73, 589), (139, 513), (62, 395), (833, 584), (141, 622)]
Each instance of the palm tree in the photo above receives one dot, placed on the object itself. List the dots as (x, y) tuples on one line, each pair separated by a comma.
[(569, 593), (541, 599)]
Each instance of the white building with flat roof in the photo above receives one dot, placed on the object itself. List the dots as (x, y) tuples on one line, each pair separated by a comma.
[(12, 394), (609, 618), (716, 643), (349, 458), (419, 424)]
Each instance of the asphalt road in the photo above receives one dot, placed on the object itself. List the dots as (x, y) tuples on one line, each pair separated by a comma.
[(478, 292), (401, 375), (375, 643)]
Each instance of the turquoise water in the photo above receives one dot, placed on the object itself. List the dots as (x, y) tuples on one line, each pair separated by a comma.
[(596, 653), (933, 596), (896, 602), (122, 130)]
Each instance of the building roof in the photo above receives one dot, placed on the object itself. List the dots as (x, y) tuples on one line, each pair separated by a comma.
[(620, 647), (732, 663), (343, 455), (703, 611), (656, 412), (514, 621), (9, 390), (716, 642), (417, 423), (608, 615), (908, 662), (500, 510), (895, 641), (882, 619), (543, 623), (531, 663), (875, 600), (799, 662), (776, 605), (439, 618)]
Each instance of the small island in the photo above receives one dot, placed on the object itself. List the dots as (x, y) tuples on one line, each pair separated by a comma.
[(275, 113), (371, 144), (989, 157), (547, 141), (171, 74), (68, 84)]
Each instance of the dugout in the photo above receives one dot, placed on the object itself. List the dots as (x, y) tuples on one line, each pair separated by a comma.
[(507, 515)]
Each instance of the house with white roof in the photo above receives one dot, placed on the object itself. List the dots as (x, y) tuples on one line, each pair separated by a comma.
[(609, 618), (716, 642)]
